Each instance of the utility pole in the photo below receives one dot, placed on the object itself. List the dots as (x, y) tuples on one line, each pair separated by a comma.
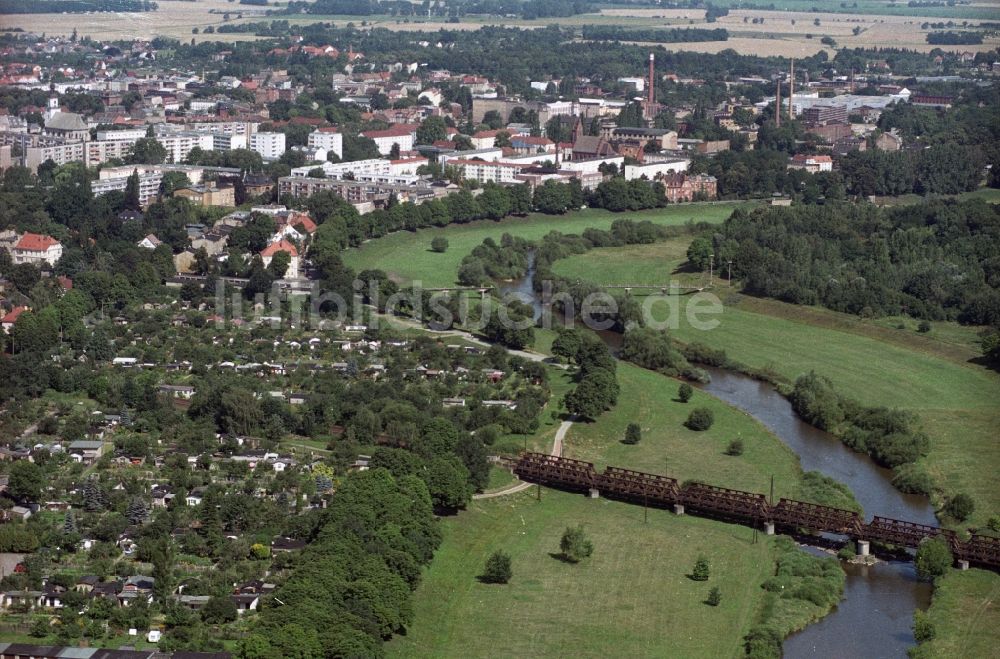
[(730, 264), (711, 268), (772, 489)]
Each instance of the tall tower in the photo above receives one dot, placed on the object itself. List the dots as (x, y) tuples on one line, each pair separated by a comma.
[(791, 91), (651, 88), (777, 103)]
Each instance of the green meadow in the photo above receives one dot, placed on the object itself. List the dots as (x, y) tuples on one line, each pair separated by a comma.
[(407, 255)]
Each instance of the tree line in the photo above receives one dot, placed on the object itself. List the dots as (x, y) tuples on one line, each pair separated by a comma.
[(73, 6), (671, 35)]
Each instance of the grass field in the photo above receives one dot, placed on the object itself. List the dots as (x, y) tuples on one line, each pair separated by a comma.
[(656, 263), (966, 612), (407, 255), (632, 598), (667, 447)]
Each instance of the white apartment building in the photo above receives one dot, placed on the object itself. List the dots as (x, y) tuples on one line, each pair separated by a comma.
[(374, 170), (179, 145), (149, 185), (485, 172), (36, 249), (653, 171), (403, 135), (228, 141), (270, 146), (124, 134), (327, 139)]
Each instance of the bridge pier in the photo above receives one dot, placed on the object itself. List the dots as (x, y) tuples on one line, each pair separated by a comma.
[(482, 293), (768, 528), (863, 547), (595, 493), (678, 508), (963, 565)]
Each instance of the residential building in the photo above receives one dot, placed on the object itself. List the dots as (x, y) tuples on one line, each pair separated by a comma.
[(328, 139), (36, 249), (888, 142), (488, 172), (179, 145), (270, 146), (810, 163), (206, 195), (10, 318), (149, 242), (402, 135), (149, 186), (86, 451), (267, 255), (684, 187)]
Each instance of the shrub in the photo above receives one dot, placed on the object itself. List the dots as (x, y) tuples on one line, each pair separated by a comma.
[(575, 545), (848, 551), (994, 524), (439, 244), (633, 433), (960, 506), (701, 418), (911, 479), (685, 392), (923, 627), (933, 558), (714, 597), (763, 643), (497, 569), (924, 327), (701, 569), (735, 447)]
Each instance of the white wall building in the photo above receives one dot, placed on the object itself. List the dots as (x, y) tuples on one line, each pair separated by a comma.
[(653, 171), (327, 139), (270, 146), (403, 135)]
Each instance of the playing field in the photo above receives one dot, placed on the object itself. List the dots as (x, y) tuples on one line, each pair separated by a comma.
[(407, 255), (632, 598)]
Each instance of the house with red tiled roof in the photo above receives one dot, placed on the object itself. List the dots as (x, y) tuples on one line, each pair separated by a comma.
[(267, 255), (7, 322), (35, 248)]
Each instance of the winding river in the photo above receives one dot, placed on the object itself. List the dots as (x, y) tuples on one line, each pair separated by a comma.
[(874, 619)]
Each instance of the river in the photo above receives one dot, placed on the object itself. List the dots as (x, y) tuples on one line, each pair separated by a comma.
[(874, 620)]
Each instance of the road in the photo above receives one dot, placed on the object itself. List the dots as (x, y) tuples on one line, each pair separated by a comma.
[(519, 486)]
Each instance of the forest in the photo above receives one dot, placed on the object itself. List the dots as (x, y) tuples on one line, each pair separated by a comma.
[(939, 260)]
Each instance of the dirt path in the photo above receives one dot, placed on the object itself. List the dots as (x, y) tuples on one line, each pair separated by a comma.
[(520, 486)]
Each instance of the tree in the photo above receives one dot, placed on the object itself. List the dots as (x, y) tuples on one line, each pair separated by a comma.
[(219, 610), (147, 151), (279, 264), (633, 433), (699, 252), (933, 558), (132, 191), (714, 597), (701, 418), (432, 129), (735, 447), (69, 522), (439, 244), (497, 568), (701, 569), (960, 506), (684, 392), (136, 511), (26, 481), (575, 545)]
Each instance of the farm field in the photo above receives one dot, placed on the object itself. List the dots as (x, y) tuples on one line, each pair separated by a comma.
[(780, 33), (631, 598), (407, 256)]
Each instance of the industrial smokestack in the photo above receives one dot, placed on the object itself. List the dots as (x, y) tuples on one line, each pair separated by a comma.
[(791, 91), (777, 103), (651, 91)]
